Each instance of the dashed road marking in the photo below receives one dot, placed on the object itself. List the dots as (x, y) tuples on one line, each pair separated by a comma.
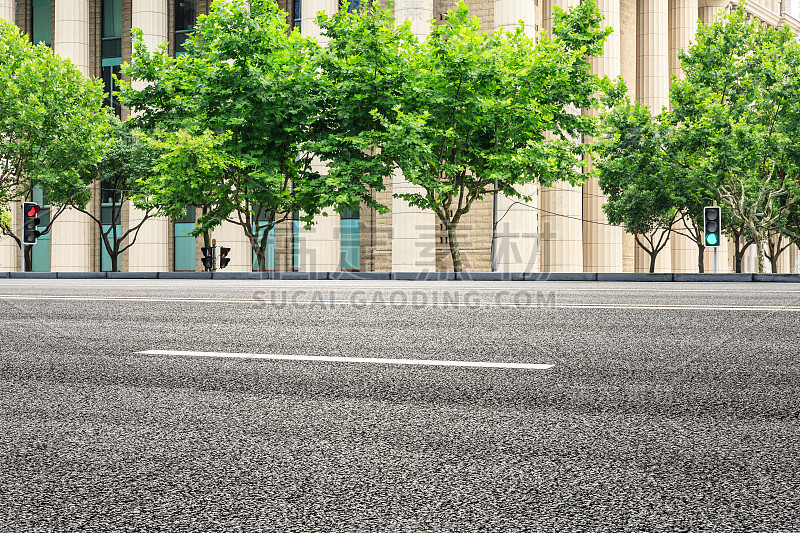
[(339, 359)]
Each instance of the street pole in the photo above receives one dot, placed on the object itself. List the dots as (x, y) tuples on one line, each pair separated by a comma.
[(494, 229), (715, 259)]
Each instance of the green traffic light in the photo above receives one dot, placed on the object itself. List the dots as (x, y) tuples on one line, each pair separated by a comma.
[(711, 239)]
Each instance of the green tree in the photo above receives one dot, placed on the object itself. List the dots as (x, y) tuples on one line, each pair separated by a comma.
[(473, 110), (366, 70), (188, 170), (737, 113), (251, 89), (635, 175), (648, 178), (52, 127), (125, 162), (792, 228)]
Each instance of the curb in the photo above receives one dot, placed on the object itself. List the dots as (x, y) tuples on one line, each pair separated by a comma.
[(418, 276), (184, 275), (424, 276), (33, 275), (713, 277), (491, 276), (782, 278), (239, 275), (363, 276), (132, 275), (635, 276), (561, 276), (82, 275)]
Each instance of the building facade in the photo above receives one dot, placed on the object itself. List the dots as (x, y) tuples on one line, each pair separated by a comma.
[(563, 229)]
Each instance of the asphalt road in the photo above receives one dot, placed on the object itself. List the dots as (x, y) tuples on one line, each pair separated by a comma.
[(669, 407)]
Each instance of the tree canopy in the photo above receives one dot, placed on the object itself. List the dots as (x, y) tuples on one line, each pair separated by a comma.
[(52, 126), (737, 115), (248, 89), (471, 113), (731, 138)]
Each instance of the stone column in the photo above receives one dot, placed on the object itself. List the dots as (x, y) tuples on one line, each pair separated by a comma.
[(150, 16), (418, 12), (515, 242), (508, 13), (151, 250), (785, 261), (794, 259), (682, 30), (652, 87), (309, 13), (628, 67), (708, 9), (7, 11), (320, 246), (602, 244), (772, 5), (561, 221), (71, 38), (515, 233), (413, 229), (71, 245)]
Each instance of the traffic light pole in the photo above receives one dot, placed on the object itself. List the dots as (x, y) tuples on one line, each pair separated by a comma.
[(715, 260), (22, 247)]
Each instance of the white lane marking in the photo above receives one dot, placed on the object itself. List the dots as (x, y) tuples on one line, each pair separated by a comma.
[(337, 359), (404, 303), (565, 286)]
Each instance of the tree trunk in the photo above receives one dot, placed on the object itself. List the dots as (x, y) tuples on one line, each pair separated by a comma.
[(261, 255), (653, 256), (114, 262), (454, 251), (206, 239), (760, 255), (774, 262), (738, 253), (701, 264)]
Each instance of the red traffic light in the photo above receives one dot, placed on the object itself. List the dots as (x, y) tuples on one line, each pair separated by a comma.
[(223, 256), (30, 222)]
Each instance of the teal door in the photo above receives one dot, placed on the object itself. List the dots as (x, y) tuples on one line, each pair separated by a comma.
[(105, 257), (185, 247)]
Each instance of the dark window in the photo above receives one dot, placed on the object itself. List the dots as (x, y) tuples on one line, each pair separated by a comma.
[(111, 51), (40, 22), (297, 14), (354, 7), (110, 86), (190, 215), (185, 20), (110, 204)]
